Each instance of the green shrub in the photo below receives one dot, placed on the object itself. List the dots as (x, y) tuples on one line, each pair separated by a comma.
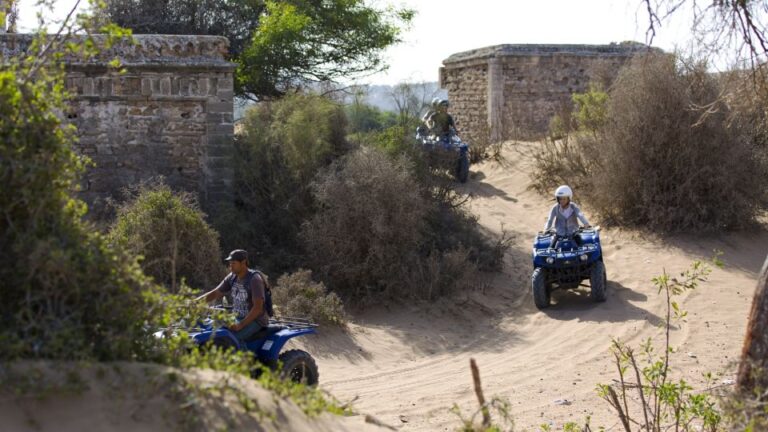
[(169, 232), (67, 294), (278, 153), (367, 118), (591, 109), (297, 295), (310, 131)]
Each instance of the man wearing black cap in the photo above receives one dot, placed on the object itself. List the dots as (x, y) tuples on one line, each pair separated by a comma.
[(247, 288)]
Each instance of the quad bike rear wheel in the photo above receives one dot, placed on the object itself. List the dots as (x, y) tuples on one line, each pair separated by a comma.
[(598, 282), (541, 295), (299, 367)]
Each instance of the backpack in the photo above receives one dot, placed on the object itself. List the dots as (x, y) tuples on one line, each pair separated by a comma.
[(267, 289)]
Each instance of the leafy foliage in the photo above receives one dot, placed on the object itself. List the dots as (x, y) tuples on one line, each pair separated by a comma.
[(279, 45), (169, 231), (280, 149), (591, 109), (234, 19), (69, 294)]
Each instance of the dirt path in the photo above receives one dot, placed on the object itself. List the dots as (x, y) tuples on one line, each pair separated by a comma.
[(408, 366)]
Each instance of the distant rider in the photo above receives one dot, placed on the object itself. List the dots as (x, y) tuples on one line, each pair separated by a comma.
[(440, 122), (564, 216), (247, 289)]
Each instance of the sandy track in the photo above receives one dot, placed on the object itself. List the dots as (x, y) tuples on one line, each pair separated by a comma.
[(408, 365)]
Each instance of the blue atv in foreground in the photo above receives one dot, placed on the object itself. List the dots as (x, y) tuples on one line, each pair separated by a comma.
[(266, 345), (447, 151), (572, 260)]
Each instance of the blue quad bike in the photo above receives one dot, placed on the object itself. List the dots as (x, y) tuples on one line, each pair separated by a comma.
[(573, 260), (447, 151), (266, 345)]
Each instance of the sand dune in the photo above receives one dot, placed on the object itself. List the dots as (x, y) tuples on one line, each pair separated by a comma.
[(408, 365)]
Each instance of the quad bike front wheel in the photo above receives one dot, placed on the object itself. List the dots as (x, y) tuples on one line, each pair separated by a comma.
[(598, 282), (540, 292), (462, 169), (299, 367)]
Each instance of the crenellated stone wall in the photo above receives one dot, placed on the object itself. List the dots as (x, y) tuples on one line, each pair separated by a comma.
[(512, 91), (169, 114)]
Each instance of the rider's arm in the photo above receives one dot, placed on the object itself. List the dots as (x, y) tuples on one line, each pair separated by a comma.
[(551, 218), (581, 216), (452, 124), (257, 295), (216, 293)]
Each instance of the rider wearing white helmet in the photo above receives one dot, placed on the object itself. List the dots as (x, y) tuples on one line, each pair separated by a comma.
[(565, 215)]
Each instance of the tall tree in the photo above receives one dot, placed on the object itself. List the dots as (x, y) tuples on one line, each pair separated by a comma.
[(278, 45)]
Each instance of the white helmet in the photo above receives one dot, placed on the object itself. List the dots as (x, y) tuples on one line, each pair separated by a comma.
[(564, 192)]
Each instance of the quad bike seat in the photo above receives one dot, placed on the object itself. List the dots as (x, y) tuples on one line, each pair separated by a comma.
[(265, 332)]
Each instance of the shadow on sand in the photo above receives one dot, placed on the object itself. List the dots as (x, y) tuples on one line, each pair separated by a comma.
[(487, 190), (577, 304)]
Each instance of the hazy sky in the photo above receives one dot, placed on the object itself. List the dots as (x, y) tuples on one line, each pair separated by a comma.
[(444, 27)]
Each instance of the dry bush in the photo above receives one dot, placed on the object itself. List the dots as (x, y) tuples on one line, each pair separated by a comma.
[(442, 273), (671, 155), (369, 223), (569, 160), (297, 295), (666, 164)]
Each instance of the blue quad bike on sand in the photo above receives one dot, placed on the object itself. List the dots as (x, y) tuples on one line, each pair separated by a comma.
[(266, 345), (447, 151), (574, 259)]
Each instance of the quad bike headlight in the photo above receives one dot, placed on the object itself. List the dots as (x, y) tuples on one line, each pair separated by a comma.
[(550, 260), (584, 257)]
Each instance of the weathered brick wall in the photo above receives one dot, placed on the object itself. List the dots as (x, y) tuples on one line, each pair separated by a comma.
[(466, 88), (169, 114), (512, 91)]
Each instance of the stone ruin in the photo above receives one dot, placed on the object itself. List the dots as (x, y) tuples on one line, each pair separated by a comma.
[(512, 91), (169, 114)]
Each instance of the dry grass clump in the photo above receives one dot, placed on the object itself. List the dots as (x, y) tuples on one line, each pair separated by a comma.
[(670, 155), (297, 295)]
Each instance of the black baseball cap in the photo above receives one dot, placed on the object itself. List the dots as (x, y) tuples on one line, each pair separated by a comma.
[(237, 255)]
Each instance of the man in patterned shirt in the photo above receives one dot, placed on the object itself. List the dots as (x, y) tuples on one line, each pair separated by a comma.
[(247, 289)]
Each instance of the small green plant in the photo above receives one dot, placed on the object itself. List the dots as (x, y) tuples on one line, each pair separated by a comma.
[(664, 403), (591, 109), (496, 405)]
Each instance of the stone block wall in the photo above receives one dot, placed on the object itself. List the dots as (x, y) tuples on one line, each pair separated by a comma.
[(169, 114), (512, 91)]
